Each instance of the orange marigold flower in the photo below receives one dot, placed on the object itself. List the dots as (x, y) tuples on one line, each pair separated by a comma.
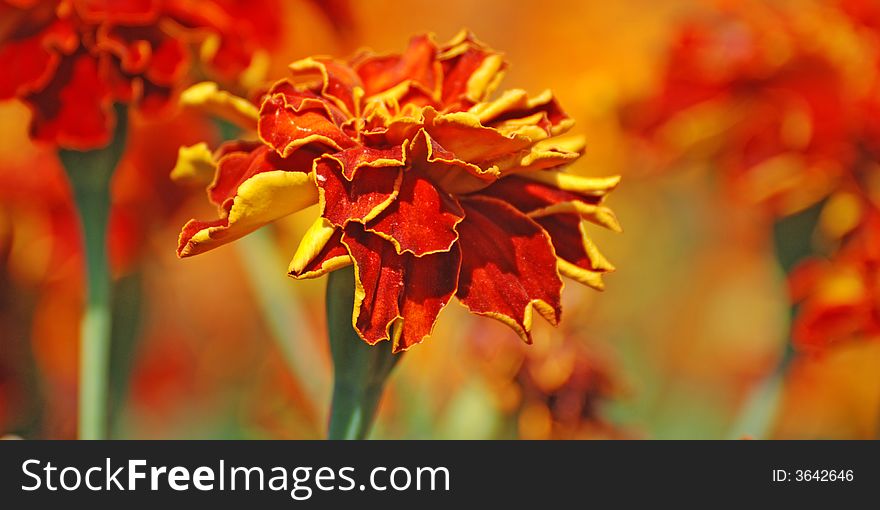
[(427, 185), (70, 60)]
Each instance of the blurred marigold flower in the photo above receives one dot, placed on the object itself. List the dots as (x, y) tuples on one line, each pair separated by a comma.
[(555, 389), (427, 185), (779, 98), (840, 298), (784, 101), (70, 60)]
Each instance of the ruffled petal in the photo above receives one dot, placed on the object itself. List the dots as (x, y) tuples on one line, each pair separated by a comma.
[(471, 71), (462, 134), (399, 292), (508, 266), (241, 161), (422, 218), (411, 77), (550, 192), (75, 109), (515, 112), (253, 186), (335, 81), (579, 258), (445, 169), (358, 183), (28, 65), (546, 154), (289, 120)]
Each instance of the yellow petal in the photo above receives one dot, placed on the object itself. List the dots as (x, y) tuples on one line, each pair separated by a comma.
[(598, 214), (261, 199), (486, 78), (208, 96), (594, 186), (195, 164), (310, 246)]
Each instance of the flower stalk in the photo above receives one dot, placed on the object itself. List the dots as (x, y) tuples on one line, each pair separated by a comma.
[(359, 370), (90, 174)]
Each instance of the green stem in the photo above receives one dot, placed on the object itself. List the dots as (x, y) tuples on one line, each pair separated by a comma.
[(360, 370), (89, 174)]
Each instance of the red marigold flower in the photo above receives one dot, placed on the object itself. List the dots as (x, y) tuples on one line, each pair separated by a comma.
[(777, 108), (839, 298), (70, 60), (429, 187)]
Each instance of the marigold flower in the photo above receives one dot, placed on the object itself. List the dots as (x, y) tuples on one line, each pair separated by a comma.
[(429, 187), (70, 60), (779, 110), (839, 298), (555, 390), (785, 102)]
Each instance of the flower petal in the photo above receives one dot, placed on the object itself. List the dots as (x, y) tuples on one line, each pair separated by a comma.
[(28, 65), (579, 258), (422, 218), (471, 71), (508, 266), (260, 199), (75, 109), (551, 153), (462, 134), (515, 111), (29, 62), (358, 183), (416, 72), (208, 96), (551, 192), (445, 169), (338, 82), (289, 120), (320, 251), (195, 164), (402, 291), (239, 161)]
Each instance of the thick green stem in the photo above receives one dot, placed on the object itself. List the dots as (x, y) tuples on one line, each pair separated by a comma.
[(90, 173), (359, 370)]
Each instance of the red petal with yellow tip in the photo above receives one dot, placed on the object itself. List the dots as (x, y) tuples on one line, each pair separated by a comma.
[(417, 64), (330, 79), (397, 288), (326, 259), (241, 161), (508, 265), (528, 195), (470, 72), (375, 181), (566, 237), (463, 135), (287, 122), (421, 219), (579, 257)]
